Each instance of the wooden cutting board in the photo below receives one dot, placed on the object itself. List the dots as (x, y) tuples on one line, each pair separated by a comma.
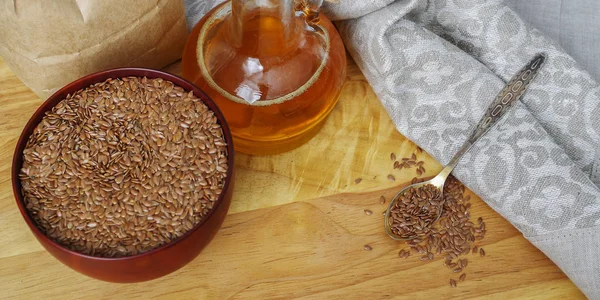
[(296, 227)]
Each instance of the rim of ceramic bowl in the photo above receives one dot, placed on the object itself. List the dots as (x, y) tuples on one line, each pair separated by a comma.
[(85, 82)]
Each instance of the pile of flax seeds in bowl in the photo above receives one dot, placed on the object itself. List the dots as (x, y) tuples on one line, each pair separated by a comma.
[(124, 166), (454, 235)]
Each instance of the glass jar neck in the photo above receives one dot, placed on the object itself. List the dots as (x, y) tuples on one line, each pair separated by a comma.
[(256, 20)]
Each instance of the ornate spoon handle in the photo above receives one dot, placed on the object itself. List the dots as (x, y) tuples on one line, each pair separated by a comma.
[(511, 93)]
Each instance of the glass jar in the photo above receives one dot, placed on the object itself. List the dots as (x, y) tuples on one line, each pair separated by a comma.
[(274, 67)]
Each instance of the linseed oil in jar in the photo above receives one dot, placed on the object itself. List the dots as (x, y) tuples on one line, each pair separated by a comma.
[(275, 68)]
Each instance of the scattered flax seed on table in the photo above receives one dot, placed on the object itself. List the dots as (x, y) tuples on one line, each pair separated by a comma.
[(453, 283), (357, 180), (414, 216), (409, 162), (404, 253), (451, 237)]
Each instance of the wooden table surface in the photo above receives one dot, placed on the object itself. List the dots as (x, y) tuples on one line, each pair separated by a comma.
[(296, 227)]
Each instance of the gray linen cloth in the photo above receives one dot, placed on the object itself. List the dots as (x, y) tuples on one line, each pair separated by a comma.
[(574, 24), (436, 65)]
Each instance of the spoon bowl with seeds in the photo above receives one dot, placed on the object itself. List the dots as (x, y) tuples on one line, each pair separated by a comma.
[(415, 208)]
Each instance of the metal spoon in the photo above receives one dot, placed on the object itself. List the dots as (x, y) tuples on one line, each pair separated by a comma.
[(511, 93)]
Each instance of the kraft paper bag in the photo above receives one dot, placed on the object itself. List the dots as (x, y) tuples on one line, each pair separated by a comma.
[(51, 43)]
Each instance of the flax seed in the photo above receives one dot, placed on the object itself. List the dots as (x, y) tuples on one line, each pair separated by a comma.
[(452, 235), (453, 283), (103, 147)]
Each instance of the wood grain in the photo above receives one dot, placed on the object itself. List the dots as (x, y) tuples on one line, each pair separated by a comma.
[(296, 227)]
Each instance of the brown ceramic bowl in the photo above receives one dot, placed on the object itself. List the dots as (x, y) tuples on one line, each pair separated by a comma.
[(151, 264)]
